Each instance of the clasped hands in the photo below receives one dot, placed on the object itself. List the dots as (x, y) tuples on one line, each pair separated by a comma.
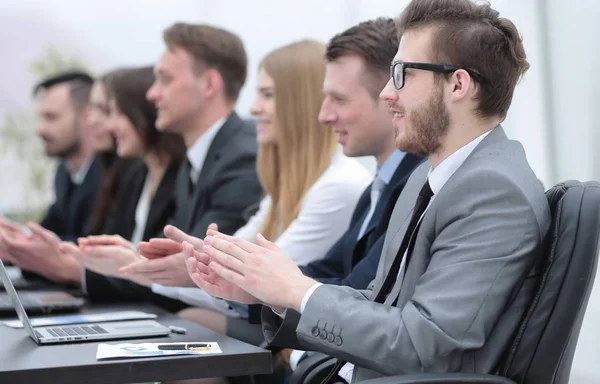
[(251, 273), (159, 261)]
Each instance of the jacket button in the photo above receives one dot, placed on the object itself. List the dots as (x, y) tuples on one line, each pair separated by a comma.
[(316, 331), (338, 340), (330, 337), (324, 334)]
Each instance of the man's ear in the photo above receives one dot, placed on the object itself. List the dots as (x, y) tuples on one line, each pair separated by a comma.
[(462, 84), (213, 82)]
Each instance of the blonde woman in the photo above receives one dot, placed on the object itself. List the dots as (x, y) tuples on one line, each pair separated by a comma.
[(312, 188)]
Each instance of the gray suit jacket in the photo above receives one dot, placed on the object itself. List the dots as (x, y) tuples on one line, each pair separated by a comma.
[(469, 280)]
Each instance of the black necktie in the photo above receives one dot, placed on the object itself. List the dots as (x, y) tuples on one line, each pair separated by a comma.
[(191, 183), (406, 246), (407, 242)]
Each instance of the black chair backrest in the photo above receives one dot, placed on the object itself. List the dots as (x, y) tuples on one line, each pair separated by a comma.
[(544, 344)]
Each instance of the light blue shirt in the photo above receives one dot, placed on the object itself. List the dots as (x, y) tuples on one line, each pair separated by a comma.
[(386, 172), (382, 179)]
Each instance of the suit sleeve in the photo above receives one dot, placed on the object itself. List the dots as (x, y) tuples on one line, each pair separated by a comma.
[(429, 329)]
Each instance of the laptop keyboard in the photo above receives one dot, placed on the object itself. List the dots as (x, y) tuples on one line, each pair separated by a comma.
[(83, 330)]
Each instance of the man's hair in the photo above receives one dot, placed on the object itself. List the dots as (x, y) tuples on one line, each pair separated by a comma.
[(376, 42), (80, 86), (472, 35), (212, 47)]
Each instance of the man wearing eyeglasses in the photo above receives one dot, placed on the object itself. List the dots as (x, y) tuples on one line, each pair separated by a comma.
[(458, 262)]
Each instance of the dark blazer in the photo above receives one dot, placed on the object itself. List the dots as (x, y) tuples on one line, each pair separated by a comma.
[(69, 215), (121, 221), (354, 262), (228, 191)]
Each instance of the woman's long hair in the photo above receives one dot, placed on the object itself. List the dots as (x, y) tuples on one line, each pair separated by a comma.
[(304, 147), (128, 88), (112, 169)]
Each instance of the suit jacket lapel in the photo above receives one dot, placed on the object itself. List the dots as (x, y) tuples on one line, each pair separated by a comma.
[(497, 135), (207, 173), (161, 203), (80, 196), (403, 169)]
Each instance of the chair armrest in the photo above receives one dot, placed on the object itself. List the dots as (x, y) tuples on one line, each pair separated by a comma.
[(309, 366), (441, 378)]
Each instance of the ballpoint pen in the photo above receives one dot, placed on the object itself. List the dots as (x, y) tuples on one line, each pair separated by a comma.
[(184, 347)]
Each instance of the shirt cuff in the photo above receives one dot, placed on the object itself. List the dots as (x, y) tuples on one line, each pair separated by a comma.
[(280, 314), (307, 296)]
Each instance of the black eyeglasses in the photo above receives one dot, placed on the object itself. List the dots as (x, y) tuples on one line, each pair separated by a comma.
[(398, 71)]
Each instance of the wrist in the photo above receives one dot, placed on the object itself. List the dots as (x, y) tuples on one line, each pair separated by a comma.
[(71, 272), (298, 291)]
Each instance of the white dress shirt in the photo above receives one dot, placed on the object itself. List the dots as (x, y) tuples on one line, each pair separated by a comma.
[(78, 177), (142, 210), (196, 154), (323, 218), (438, 176)]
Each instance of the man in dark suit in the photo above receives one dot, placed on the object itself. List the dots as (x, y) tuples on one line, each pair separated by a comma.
[(63, 106), (357, 66), (198, 81)]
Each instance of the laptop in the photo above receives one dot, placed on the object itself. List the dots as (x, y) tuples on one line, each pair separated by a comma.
[(82, 332), (43, 302), (22, 283)]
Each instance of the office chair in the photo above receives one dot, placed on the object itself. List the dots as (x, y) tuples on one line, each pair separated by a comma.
[(543, 346)]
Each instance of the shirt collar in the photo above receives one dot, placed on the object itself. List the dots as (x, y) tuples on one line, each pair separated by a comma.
[(78, 177), (439, 175), (386, 172), (197, 152)]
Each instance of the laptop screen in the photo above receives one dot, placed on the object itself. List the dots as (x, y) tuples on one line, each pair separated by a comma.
[(14, 298)]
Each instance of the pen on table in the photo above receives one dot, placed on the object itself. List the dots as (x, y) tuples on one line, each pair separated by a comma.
[(184, 347)]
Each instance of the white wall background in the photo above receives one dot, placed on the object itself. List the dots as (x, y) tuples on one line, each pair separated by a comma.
[(553, 112)]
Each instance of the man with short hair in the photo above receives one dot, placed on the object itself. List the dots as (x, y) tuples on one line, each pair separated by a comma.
[(458, 262), (63, 106)]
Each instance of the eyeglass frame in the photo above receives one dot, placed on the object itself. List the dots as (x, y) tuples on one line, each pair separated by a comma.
[(438, 68)]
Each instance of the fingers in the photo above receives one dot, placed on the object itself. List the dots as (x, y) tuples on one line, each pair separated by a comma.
[(260, 240), (158, 249), (179, 236), (43, 233), (67, 247), (107, 240), (242, 244), (202, 283), (166, 245), (225, 257), (213, 227), (8, 225), (227, 274), (146, 267)]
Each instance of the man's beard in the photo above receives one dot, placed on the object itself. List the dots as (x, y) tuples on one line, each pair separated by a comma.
[(71, 150), (425, 126)]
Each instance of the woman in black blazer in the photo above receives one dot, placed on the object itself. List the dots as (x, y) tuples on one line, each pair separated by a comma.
[(145, 199)]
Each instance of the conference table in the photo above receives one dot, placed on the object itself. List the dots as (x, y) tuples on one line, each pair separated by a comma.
[(23, 361)]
